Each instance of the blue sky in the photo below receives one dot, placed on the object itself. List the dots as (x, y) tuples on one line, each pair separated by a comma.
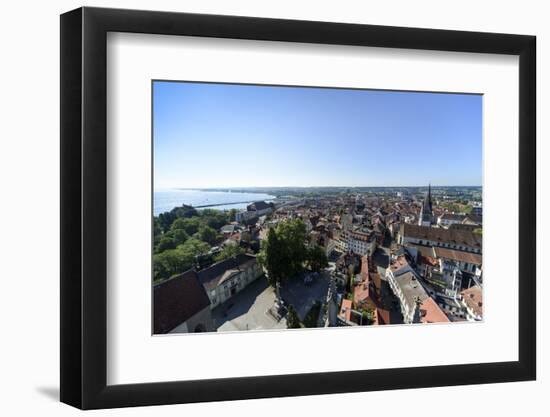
[(224, 135)]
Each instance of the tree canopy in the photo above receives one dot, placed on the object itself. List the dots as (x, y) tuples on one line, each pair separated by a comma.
[(316, 258), (182, 234), (189, 225), (229, 251), (292, 319), (367, 316), (285, 252), (180, 259), (207, 234)]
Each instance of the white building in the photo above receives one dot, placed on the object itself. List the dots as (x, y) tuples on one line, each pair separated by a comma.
[(358, 242), (253, 211), (465, 261), (244, 216), (410, 293), (472, 300), (448, 218), (226, 278)]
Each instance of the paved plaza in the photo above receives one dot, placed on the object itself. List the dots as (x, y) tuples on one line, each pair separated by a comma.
[(248, 310), (303, 296)]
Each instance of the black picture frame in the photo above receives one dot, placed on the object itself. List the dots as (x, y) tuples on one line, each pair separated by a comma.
[(84, 207)]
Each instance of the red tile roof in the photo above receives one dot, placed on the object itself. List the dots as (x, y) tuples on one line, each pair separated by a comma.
[(361, 293), (345, 310), (438, 234), (473, 297), (430, 312), (427, 260), (176, 300), (365, 269), (383, 316), (457, 255)]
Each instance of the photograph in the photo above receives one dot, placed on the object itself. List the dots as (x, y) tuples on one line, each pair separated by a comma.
[(295, 207), (236, 181)]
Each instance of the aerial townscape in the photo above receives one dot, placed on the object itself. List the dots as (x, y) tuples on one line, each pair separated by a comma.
[(318, 257), (290, 207)]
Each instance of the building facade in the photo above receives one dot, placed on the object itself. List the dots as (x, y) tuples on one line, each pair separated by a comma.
[(254, 211), (462, 240), (358, 242), (226, 278), (181, 305)]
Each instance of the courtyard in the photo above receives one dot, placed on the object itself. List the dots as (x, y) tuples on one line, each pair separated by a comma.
[(248, 310), (303, 295)]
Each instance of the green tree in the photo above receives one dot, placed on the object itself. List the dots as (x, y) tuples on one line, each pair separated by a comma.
[(367, 316), (166, 243), (184, 211), (214, 218), (292, 236), (168, 263), (284, 251), (179, 236), (194, 246), (350, 285), (175, 261), (271, 257), (207, 234), (165, 220), (292, 319), (231, 214), (317, 258), (229, 251), (189, 225), (312, 317), (157, 228)]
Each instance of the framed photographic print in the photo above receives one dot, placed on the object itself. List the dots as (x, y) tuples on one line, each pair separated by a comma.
[(258, 207)]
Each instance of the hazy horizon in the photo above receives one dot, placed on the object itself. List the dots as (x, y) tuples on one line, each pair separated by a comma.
[(313, 186)]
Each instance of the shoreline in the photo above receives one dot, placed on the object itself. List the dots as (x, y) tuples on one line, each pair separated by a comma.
[(235, 200)]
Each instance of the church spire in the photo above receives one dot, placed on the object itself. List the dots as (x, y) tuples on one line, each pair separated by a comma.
[(427, 206), (426, 214)]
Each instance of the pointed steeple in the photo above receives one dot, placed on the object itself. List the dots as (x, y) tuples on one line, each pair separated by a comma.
[(426, 217), (427, 206)]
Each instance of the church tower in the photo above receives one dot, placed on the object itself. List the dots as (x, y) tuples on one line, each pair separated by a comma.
[(426, 217)]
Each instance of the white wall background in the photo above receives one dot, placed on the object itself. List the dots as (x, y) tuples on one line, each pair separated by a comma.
[(29, 213)]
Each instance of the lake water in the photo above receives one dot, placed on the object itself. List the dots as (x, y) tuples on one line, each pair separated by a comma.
[(166, 200)]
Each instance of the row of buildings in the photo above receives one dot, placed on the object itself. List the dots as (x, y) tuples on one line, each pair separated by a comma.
[(399, 260), (433, 271), (184, 303), (396, 259)]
